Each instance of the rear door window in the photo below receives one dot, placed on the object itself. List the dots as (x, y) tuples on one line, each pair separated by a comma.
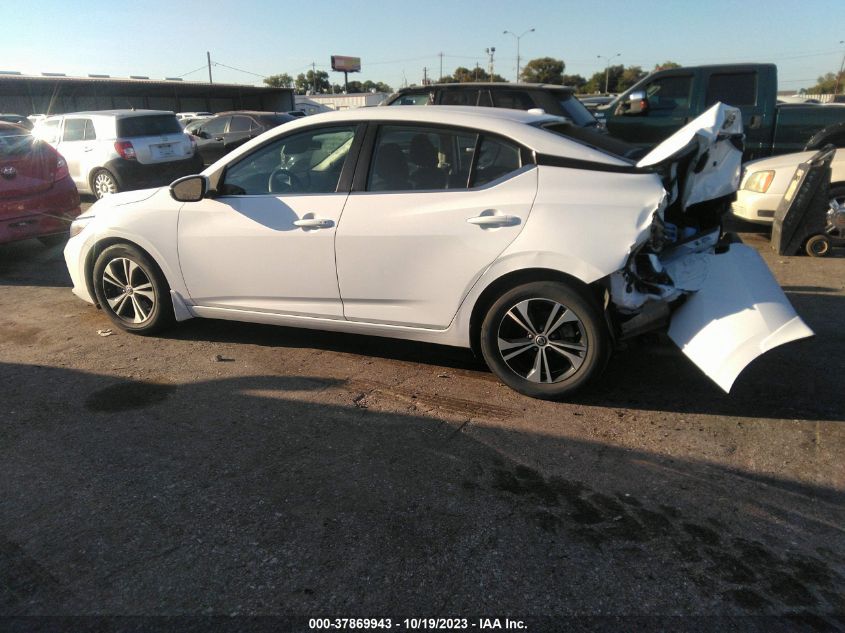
[(153, 125), (736, 89), (216, 125), (74, 130), (459, 97), (515, 99), (240, 124)]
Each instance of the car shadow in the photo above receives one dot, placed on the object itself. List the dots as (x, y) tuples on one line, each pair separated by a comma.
[(265, 495)]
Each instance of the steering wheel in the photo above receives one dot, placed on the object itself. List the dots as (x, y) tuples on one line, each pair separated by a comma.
[(283, 181)]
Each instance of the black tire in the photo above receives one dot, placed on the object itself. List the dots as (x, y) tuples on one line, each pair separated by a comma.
[(817, 246), (132, 290), (566, 337), (53, 240), (103, 183)]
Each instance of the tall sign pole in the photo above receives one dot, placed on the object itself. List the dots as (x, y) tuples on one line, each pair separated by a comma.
[(208, 57)]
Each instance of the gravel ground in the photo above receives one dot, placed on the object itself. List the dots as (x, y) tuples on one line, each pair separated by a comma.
[(229, 469)]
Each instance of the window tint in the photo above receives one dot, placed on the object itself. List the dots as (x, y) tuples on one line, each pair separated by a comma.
[(308, 162), (413, 98), (459, 97), (576, 111), (240, 124), (90, 133), (216, 125), (148, 125), (516, 99), (495, 159), (74, 130), (668, 94), (49, 131), (736, 89), (408, 158)]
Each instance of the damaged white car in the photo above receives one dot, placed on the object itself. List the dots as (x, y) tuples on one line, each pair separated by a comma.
[(533, 241)]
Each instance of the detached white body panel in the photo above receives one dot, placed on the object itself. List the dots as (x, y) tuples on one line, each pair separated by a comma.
[(734, 318)]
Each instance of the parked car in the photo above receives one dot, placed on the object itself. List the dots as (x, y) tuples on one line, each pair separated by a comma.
[(118, 150), (559, 100), (475, 227), (664, 101), (17, 119), (37, 197), (219, 135), (764, 183)]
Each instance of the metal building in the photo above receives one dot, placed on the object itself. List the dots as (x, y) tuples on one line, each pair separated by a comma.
[(53, 94)]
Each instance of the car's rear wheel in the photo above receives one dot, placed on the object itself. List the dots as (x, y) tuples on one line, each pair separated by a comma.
[(131, 290), (545, 339), (103, 183)]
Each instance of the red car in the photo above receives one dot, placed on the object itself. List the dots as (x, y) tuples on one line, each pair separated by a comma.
[(38, 199)]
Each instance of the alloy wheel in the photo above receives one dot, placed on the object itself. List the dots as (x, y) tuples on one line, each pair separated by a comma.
[(104, 184), (128, 290), (542, 340)]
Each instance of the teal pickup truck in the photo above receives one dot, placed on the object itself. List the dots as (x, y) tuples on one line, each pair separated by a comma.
[(666, 100)]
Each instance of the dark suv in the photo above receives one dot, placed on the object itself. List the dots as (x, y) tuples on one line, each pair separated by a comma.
[(558, 100), (225, 131)]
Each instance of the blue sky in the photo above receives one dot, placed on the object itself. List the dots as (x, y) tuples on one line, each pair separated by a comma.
[(396, 39)]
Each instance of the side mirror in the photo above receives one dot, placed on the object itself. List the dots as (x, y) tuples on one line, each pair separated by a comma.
[(189, 188), (637, 103)]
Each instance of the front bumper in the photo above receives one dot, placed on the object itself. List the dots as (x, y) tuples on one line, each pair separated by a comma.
[(756, 207), (130, 174), (75, 253)]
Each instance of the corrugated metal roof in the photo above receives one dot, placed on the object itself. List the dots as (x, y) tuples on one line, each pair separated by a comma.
[(125, 80)]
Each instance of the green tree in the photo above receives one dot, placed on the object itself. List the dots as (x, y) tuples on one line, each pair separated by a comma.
[(279, 81), (596, 83), (305, 82), (827, 84), (666, 65), (543, 70), (575, 81), (467, 75), (630, 76), (378, 86)]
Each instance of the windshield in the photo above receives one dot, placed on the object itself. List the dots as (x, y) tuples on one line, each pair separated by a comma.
[(148, 125)]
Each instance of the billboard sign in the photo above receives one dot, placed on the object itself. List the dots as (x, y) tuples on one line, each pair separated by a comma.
[(346, 64)]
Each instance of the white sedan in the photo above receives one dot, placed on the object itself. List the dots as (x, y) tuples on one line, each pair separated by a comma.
[(764, 183), (512, 233)]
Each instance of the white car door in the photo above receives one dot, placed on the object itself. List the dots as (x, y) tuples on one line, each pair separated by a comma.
[(436, 208), (266, 243), (75, 149)]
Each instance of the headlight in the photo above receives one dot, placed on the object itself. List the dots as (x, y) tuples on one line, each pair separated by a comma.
[(78, 224), (759, 181)]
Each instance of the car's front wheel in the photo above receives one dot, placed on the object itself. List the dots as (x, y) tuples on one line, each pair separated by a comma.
[(545, 339), (131, 289)]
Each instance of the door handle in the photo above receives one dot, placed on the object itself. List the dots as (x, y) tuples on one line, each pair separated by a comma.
[(218, 138), (494, 220), (313, 223), (755, 121), (87, 149)]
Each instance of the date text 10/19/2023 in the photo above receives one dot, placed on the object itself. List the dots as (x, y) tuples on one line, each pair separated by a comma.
[(416, 624)]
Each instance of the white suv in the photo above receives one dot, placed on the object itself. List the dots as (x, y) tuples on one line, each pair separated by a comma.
[(117, 150)]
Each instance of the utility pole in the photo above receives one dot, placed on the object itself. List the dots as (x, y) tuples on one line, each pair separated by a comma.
[(440, 55), (490, 51), (518, 37), (607, 69), (476, 71), (841, 68), (313, 78), (425, 76), (208, 57)]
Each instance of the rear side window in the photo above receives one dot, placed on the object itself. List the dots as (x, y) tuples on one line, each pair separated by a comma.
[(148, 125), (74, 130), (496, 158), (736, 89)]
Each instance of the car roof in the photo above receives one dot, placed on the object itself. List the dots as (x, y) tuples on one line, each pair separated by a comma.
[(486, 84), (118, 114), (252, 112), (521, 126)]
